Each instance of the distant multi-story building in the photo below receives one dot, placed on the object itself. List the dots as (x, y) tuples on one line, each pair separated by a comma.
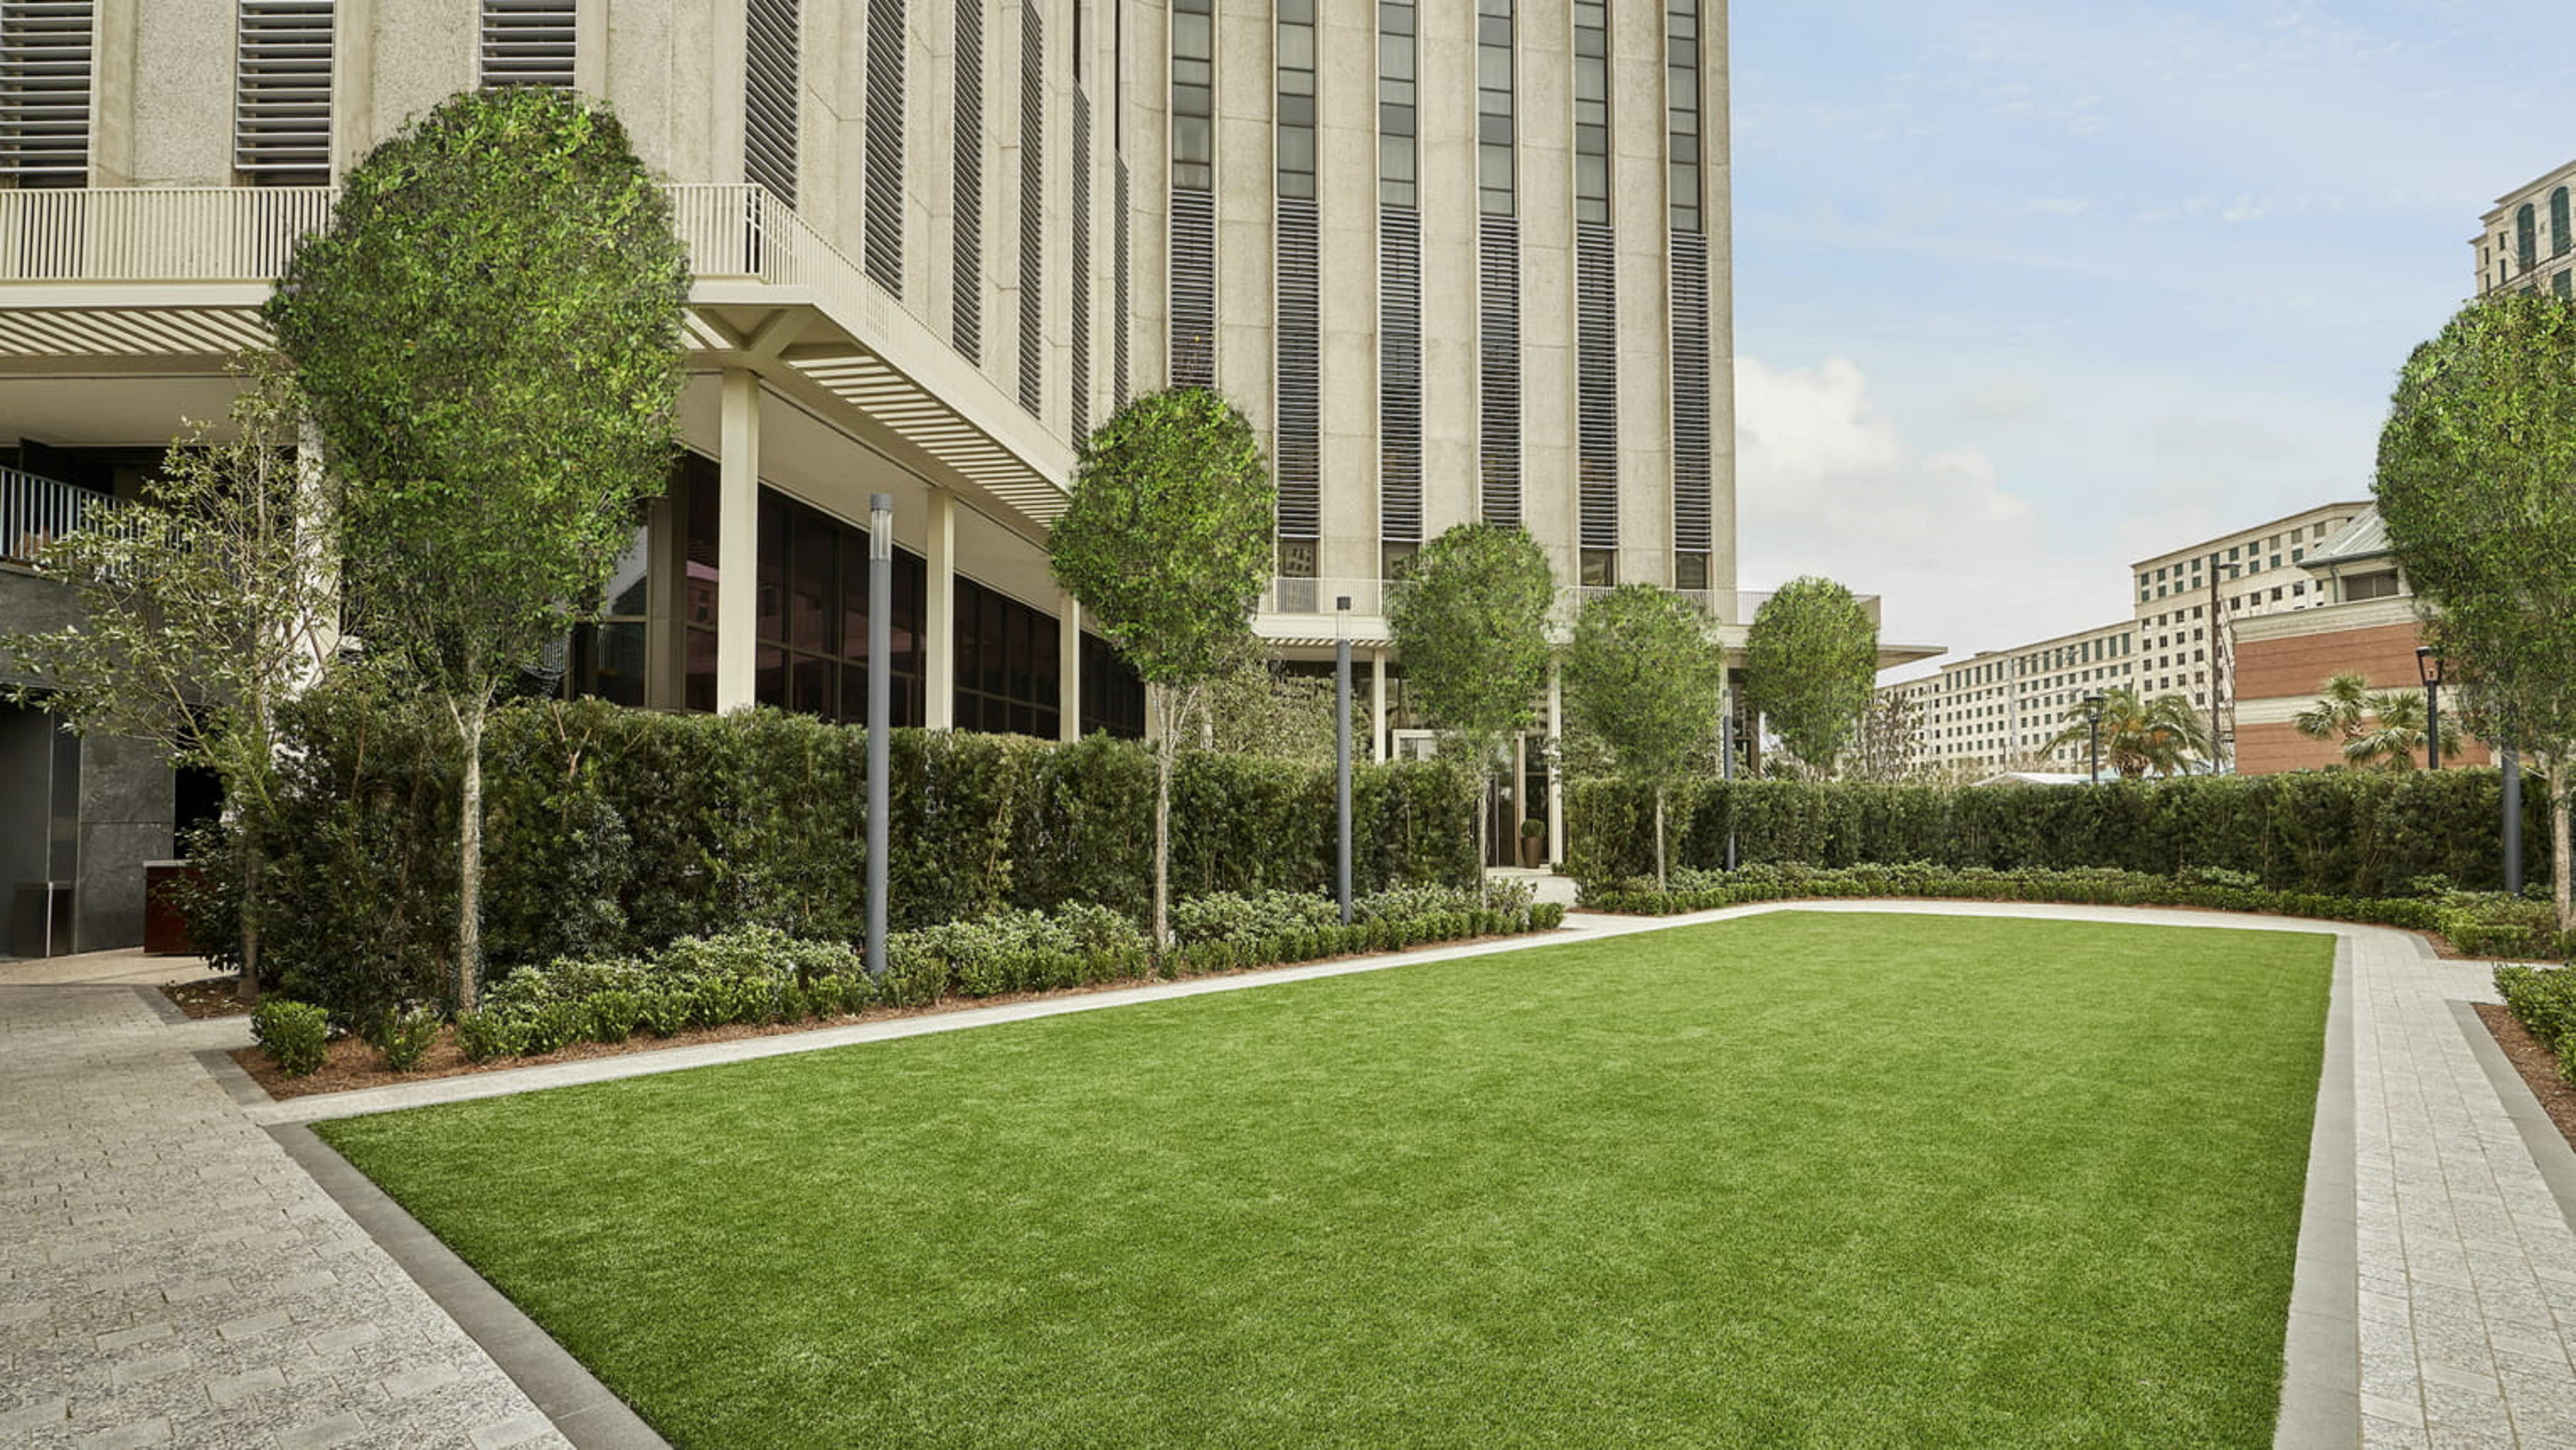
[(2528, 241)]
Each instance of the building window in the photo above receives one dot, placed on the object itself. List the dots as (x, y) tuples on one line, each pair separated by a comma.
[(46, 50), (1008, 680), (282, 93), (1494, 107), (1293, 137), (1682, 113), (1596, 388), (1193, 208), (811, 624), (1591, 111), (1298, 426), (1194, 94), (528, 43), (966, 187), (2526, 242), (608, 654), (1395, 103), (1113, 696), (1080, 282), (883, 162), (2559, 240)]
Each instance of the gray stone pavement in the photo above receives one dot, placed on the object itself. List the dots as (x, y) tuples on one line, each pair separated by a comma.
[(169, 1276), (181, 1276)]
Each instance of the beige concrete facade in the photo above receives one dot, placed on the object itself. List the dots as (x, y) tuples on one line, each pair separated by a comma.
[(2527, 242)]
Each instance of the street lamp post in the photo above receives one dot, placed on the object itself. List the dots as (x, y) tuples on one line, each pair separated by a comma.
[(880, 716), (1726, 755), (1342, 753), (2429, 666), (2093, 716)]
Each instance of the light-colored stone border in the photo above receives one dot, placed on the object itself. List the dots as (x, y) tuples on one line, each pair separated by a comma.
[(582, 1409), (2321, 1351), (2549, 1151)]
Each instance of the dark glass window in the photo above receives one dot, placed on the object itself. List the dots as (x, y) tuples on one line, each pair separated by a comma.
[(1194, 94), (1007, 675), (1294, 134), (1681, 111), (811, 626), (2526, 239), (1591, 111), (1494, 107), (1395, 101)]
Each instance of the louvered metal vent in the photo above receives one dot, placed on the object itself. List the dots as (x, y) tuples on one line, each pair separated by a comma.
[(1193, 288), (1691, 438), (1498, 367), (769, 97), (1399, 375), (966, 230), (45, 50), (1080, 281), (527, 43), (1596, 386), (885, 144), (1297, 447), (1032, 211), (282, 92), (1118, 372)]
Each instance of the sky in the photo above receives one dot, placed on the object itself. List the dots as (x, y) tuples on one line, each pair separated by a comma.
[(2026, 291)]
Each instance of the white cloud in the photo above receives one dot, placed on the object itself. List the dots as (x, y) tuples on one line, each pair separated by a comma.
[(1826, 484), (2058, 205)]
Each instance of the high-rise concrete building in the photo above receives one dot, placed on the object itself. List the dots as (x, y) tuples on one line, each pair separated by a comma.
[(1464, 260)]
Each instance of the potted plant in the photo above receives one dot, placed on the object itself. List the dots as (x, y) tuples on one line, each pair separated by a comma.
[(1533, 843)]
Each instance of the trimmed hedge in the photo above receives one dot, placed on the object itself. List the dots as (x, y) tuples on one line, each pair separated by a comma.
[(2543, 999), (2341, 833), (760, 975), (611, 831)]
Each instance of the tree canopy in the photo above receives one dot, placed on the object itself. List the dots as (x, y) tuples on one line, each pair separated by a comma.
[(2382, 728), (1646, 675), (2476, 486), (2159, 737), (1167, 545), (1810, 658), (489, 334)]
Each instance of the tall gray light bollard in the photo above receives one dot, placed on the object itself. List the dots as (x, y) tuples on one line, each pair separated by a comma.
[(1342, 753), (880, 716)]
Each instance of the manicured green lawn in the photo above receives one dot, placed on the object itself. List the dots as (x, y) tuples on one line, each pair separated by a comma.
[(1805, 1179)]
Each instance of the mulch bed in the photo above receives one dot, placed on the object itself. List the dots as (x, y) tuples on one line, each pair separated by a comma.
[(349, 1063), (2537, 1064), (207, 997)]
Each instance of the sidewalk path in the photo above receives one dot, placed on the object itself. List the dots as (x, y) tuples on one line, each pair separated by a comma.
[(170, 1275)]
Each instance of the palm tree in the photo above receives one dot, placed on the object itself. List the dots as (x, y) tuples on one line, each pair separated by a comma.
[(2140, 737), (2383, 728)]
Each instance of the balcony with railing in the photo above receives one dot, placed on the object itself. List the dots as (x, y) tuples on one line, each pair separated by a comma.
[(35, 511)]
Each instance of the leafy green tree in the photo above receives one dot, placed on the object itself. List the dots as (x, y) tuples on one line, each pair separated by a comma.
[(2159, 737), (1810, 659), (490, 337), (2383, 728), (2477, 488), (1646, 675), (204, 605), (1470, 622), (1167, 543)]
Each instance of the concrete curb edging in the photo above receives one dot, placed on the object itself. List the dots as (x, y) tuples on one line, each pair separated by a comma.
[(582, 1409), (2321, 1349)]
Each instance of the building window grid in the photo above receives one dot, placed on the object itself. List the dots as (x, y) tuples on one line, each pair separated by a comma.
[(282, 92), (1293, 131), (2526, 239), (1591, 111), (2559, 240), (1008, 678), (1194, 95), (1596, 333), (1397, 122), (1682, 114), (1399, 397), (528, 43), (1693, 451), (1494, 182), (1498, 368), (47, 50)]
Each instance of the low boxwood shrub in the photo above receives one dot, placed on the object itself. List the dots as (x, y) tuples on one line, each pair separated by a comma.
[(2543, 999), (295, 1035), (403, 1037), (2491, 924)]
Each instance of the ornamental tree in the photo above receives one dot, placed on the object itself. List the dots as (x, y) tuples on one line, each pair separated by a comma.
[(1470, 622), (2139, 736), (1167, 544), (1810, 658), (489, 336), (203, 606), (2477, 488), (1646, 675)]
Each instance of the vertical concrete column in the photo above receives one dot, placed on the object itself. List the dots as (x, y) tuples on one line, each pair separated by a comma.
[(1377, 705), (1555, 755), (737, 538), (939, 614), (1068, 665)]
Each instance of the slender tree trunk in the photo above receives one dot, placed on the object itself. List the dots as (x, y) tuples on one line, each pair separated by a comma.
[(1484, 824), (247, 989), (2556, 780), (1166, 753), (1659, 836), (469, 862)]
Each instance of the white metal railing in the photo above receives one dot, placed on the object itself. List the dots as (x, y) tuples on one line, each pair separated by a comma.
[(35, 511), (1291, 595), (741, 231), (156, 234)]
